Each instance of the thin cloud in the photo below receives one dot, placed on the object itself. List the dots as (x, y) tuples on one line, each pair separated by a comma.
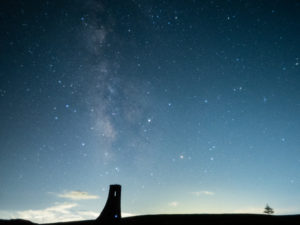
[(255, 210), (62, 212), (207, 193), (58, 213), (173, 204), (125, 214), (77, 195), (88, 214)]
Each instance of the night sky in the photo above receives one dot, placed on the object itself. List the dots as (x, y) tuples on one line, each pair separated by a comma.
[(192, 106)]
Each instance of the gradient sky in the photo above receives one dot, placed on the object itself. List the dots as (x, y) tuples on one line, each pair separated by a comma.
[(192, 106)]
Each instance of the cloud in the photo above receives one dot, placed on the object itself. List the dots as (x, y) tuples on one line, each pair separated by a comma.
[(60, 212), (173, 204), (77, 195), (255, 210), (199, 193), (125, 214), (88, 214)]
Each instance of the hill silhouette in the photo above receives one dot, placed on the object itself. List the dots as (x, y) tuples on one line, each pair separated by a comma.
[(182, 219)]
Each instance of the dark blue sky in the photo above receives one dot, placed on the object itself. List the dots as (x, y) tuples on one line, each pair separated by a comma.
[(192, 106)]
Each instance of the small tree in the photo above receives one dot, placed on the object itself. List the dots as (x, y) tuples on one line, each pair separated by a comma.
[(268, 210)]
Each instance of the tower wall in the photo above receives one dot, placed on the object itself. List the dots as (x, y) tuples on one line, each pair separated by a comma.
[(112, 211)]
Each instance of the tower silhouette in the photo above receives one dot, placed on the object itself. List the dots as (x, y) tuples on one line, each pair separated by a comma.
[(111, 214)]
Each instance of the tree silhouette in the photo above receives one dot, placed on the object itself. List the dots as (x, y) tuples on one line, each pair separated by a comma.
[(268, 210)]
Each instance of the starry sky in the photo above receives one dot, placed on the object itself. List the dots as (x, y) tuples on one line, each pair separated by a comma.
[(192, 106)]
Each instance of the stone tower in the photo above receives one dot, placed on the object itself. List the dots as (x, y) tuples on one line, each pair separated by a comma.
[(111, 214)]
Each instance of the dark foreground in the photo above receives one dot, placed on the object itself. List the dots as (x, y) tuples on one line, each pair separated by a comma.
[(202, 219)]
